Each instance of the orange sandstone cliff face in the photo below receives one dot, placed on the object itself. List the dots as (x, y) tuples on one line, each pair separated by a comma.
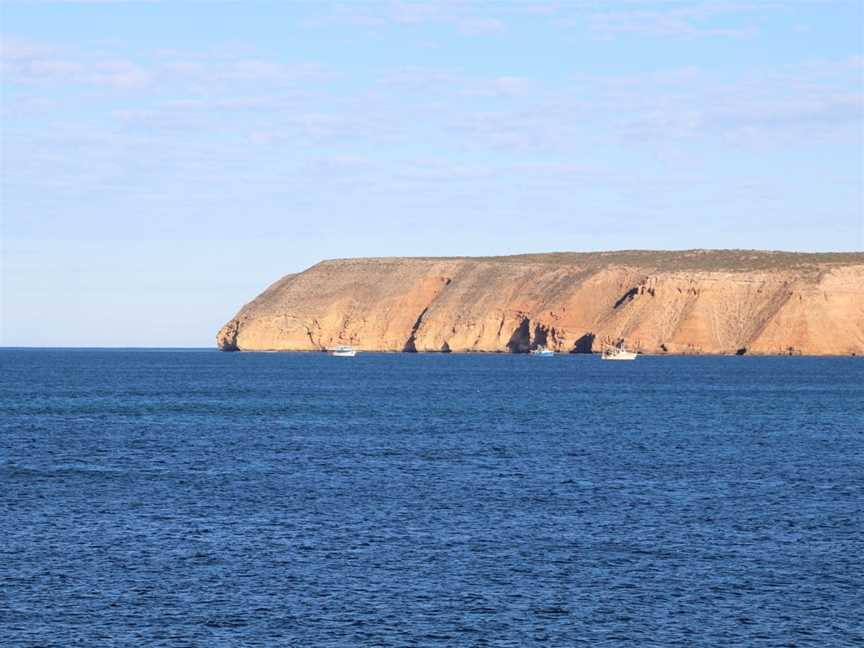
[(713, 302)]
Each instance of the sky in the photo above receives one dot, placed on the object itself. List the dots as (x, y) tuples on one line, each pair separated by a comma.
[(161, 163)]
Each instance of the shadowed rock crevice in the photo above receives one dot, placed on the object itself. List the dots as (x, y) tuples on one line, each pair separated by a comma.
[(584, 344), (541, 336), (628, 296), (520, 341), (411, 343)]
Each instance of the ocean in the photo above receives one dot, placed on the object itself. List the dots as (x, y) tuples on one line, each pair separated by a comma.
[(198, 498)]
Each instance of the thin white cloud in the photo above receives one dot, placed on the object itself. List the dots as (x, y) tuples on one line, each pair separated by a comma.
[(464, 17), (687, 20), (24, 61), (605, 19), (475, 26), (84, 2), (674, 19), (18, 49)]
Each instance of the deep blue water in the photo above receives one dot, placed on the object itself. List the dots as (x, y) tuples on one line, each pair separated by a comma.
[(169, 498)]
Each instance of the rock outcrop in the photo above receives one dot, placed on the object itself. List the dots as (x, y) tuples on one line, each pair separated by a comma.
[(700, 301)]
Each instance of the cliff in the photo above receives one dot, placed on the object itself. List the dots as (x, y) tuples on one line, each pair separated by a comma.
[(698, 301)]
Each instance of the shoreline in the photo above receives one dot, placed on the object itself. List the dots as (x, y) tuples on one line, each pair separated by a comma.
[(557, 353)]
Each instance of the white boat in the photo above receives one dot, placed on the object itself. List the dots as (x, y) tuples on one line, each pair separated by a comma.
[(619, 352), (543, 352), (343, 352)]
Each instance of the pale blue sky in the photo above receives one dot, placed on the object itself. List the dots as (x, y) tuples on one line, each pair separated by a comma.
[(163, 162)]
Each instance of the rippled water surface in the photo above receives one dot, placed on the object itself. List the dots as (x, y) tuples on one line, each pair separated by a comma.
[(180, 498)]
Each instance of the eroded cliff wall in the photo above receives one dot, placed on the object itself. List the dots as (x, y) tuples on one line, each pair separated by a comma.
[(715, 302)]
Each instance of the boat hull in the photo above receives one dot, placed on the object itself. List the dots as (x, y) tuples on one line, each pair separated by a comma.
[(343, 352), (621, 355)]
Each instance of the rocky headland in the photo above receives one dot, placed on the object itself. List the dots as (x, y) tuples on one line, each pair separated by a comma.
[(688, 302)]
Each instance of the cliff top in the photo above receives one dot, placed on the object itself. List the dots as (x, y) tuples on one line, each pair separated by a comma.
[(696, 260)]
